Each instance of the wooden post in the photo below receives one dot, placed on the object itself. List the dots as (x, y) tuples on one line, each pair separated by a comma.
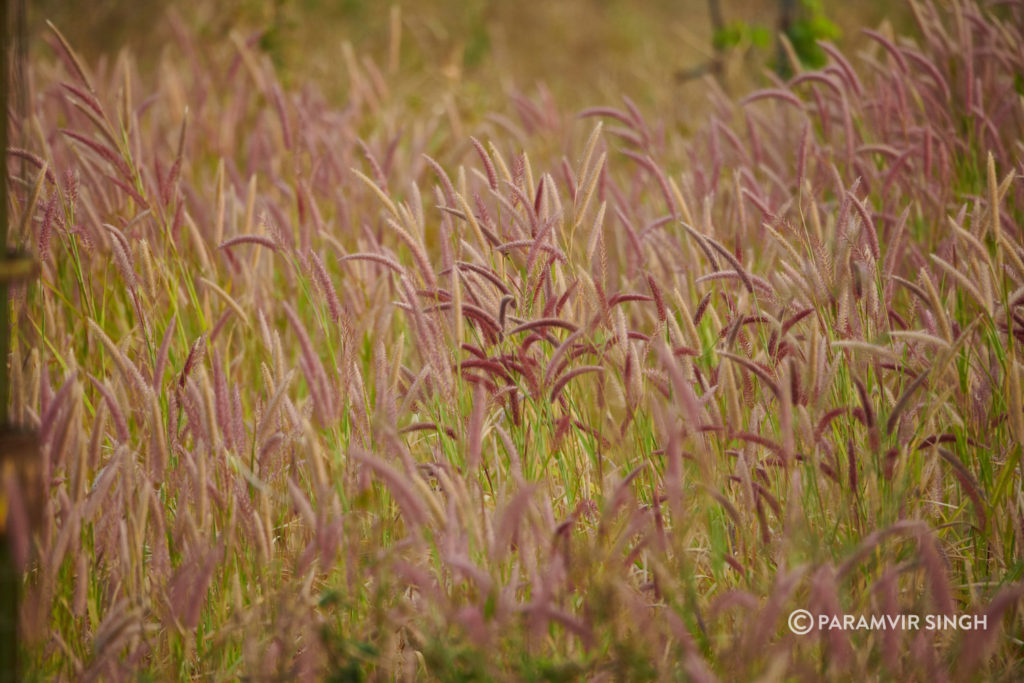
[(717, 27), (5, 309), (10, 583), (19, 449), (787, 15)]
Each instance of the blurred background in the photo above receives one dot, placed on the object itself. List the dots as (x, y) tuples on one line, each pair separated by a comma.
[(584, 51)]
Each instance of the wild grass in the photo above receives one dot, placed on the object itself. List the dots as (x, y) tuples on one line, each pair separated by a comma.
[(343, 390)]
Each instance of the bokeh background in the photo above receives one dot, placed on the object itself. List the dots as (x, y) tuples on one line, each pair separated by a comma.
[(581, 50)]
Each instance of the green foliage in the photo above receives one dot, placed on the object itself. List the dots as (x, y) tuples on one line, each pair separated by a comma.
[(737, 33), (349, 660), (810, 26), (478, 46), (457, 661)]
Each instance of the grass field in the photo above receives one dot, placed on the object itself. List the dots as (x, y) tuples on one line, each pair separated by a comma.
[(384, 385)]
